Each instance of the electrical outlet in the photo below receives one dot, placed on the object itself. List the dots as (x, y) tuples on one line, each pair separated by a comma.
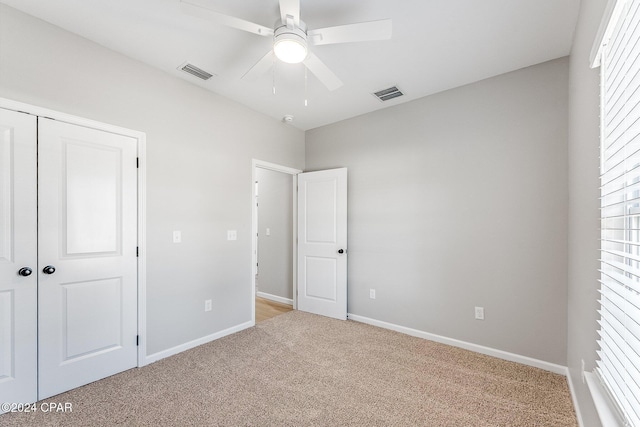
[(207, 305), (232, 235), (372, 293), (480, 313)]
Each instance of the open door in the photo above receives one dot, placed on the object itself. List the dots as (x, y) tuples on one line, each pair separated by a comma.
[(322, 242)]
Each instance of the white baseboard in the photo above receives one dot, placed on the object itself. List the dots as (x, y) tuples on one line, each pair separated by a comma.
[(512, 357), (275, 298), (191, 344), (576, 406)]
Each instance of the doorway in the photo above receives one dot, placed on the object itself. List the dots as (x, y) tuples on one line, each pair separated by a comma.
[(319, 239), (274, 246)]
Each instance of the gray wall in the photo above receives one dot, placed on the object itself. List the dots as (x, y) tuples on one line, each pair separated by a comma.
[(459, 200), (584, 141), (199, 151), (275, 252)]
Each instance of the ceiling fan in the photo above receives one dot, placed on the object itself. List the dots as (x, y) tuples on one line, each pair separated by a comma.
[(291, 38)]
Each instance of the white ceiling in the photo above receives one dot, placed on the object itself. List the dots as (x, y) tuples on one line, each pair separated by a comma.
[(436, 45)]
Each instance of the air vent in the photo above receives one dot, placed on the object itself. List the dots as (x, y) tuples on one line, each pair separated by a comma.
[(387, 94), (195, 71)]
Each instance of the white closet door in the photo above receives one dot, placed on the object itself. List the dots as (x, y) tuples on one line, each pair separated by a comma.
[(87, 288), (18, 246)]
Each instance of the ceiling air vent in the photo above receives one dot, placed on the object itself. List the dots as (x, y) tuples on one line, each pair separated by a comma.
[(387, 94), (195, 71)]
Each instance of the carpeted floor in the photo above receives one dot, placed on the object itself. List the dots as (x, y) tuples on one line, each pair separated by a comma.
[(299, 369)]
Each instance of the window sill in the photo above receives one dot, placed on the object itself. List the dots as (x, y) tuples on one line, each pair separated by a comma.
[(608, 415)]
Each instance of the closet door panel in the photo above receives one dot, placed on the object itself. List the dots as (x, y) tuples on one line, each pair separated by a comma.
[(18, 262), (87, 201)]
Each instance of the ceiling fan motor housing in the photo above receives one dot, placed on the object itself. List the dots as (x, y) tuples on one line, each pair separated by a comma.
[(290, 42)]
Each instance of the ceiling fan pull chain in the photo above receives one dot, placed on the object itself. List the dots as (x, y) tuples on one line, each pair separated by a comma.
[(273, 74), (305, 87)]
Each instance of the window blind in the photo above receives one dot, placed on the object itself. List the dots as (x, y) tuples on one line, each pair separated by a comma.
[(619, 336)]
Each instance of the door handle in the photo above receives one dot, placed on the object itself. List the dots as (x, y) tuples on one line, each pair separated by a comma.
[(49, 269), (25, 271), (341, 251)]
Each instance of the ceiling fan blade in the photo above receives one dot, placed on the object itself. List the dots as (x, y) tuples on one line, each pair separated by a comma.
[(361, 32), (322, 72), (290, 8), (219, 18), (260, 67)]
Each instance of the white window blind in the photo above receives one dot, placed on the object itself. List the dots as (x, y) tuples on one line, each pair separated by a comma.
[(619, 356)]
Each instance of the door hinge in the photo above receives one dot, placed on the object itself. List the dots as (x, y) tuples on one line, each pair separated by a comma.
[(137, 251), (137, 162), (137, 340)]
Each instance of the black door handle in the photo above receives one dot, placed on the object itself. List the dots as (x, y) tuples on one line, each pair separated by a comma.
[(49, 269), (25, 271), (340, 251)]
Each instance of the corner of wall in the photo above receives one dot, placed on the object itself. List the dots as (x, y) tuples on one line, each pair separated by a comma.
[(583, 212)]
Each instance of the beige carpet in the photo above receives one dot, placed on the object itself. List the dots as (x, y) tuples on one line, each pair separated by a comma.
[(299, 369)]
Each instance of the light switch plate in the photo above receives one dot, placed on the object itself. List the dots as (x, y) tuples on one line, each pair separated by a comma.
[(177, 236)]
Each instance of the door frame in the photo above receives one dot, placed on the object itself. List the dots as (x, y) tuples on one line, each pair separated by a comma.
[(255, 164), (140, 138)]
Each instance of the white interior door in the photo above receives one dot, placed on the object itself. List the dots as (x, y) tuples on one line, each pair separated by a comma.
[(18, 246), (87, 292), (322, 242)]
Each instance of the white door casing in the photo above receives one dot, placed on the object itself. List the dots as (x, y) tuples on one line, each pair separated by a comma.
[(322, 242), (18, 250), (87, 308), (255, 165)]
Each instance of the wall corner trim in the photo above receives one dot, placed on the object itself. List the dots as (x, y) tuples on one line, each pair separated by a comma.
[(500, 354), (195, 343)]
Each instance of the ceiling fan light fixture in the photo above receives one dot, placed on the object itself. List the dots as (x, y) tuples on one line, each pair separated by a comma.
[(290, 51), (290, 44)]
